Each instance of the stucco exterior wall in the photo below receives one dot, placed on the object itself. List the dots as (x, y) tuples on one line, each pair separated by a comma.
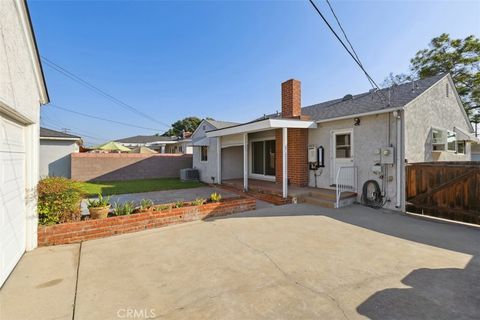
[(433, 109), (373, 132), (18, 85), (207, 169), (232, 163), (55, 157)]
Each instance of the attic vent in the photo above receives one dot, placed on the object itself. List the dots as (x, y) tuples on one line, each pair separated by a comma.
[(347, 97)]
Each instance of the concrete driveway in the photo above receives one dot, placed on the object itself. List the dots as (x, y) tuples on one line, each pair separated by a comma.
[(288, 262)]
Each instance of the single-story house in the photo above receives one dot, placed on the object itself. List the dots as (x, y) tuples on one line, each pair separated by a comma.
[(159, 143), (55, 150), (476, 151), (22, 92), (339, 145)]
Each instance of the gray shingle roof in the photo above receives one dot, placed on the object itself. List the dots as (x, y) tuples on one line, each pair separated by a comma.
[(146, 139), (221, 124), (49, 133), (393, 97)]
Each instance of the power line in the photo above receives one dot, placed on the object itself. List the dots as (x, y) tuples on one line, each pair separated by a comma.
[(344, 46), (73, 132), (99, 91), (76, 129), (100, 118)]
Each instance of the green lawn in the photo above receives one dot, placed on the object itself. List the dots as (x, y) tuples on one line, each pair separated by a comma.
[(136, 186)]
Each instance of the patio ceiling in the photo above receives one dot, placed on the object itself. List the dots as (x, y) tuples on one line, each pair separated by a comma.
[(262, 125)]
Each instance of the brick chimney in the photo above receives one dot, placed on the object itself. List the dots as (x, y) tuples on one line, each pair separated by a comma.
[(291, 99)]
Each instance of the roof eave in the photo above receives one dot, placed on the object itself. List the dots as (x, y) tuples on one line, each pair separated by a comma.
[(262, 125), (361, 114)]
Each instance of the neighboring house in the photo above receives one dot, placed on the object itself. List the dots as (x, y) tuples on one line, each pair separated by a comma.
[(158, 143), (370, 136), (55, 150), (475, 151), (22, 91)]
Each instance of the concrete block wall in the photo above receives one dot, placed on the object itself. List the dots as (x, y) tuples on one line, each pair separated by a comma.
[(121, 166)]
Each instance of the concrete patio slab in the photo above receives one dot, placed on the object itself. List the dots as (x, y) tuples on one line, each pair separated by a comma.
[(285, 262), (42, 285)]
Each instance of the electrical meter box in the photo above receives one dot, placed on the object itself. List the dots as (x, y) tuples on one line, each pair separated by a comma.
[(387, 156), (312, 154)]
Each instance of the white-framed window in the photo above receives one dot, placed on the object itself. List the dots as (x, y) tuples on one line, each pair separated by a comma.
[(461, 147), (438, 139), (451, 141), (204, 153)]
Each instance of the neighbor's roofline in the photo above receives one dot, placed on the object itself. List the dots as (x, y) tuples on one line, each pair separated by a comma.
[(26, 21), (60, 138)]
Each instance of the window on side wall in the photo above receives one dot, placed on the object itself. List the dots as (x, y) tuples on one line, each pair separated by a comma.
[(204, 153), (461, 147), (451, 141), (438, 140)]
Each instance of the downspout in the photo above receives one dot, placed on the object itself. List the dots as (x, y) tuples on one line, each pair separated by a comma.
[(398, 116)]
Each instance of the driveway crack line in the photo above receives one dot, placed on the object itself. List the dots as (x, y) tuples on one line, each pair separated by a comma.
[(283, 272), (76, 280)]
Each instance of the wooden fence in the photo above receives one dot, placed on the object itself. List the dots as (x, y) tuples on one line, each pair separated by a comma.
[(449, 190)]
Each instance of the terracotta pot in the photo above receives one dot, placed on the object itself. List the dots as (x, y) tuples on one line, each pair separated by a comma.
[(99, 212)]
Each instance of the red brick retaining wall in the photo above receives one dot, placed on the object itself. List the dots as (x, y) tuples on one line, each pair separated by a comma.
[(123, 166), (74, 232)]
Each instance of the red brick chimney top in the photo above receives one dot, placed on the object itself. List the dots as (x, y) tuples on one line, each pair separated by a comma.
[(291, 99)]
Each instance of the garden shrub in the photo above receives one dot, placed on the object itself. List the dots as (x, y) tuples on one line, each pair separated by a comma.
[(124, 209), (58, 200)]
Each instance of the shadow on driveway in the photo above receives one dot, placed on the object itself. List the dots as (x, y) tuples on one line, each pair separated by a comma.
[(450, 293)]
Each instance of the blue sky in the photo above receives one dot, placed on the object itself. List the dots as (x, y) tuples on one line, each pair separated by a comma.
[(223, 59)]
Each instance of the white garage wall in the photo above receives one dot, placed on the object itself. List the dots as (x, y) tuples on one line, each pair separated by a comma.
[(21, 93)]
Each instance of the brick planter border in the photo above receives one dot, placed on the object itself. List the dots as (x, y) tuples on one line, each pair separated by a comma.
[(73, 232)]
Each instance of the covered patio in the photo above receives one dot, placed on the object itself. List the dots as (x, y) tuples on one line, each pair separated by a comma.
[(243, 136)]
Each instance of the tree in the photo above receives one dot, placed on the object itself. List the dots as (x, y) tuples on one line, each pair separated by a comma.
[(188, 124), (397, 79), (460, 58)]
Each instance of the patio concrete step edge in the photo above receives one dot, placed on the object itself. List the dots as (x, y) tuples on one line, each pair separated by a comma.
[(326, 198)]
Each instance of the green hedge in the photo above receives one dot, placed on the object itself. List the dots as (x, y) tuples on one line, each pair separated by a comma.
[(58, 200)]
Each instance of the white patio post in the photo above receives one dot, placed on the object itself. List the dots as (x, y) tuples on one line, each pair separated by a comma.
[(219, 160), (284, 162), (245, 161)]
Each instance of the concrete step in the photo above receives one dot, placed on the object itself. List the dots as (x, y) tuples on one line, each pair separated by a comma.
[(327, 198), (319, 201), (330, 194)]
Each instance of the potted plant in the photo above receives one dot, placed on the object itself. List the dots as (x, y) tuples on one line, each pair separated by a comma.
[(99, 208)]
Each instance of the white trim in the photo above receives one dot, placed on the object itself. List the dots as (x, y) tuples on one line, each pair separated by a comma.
[(14, 114), (219, 160), (32, 49), (285, 162), (333, 151), (263, 125), (370, 113), (245, 161), (58, 138)]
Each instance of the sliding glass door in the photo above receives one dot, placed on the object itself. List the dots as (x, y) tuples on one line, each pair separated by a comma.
[(263, 157)]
